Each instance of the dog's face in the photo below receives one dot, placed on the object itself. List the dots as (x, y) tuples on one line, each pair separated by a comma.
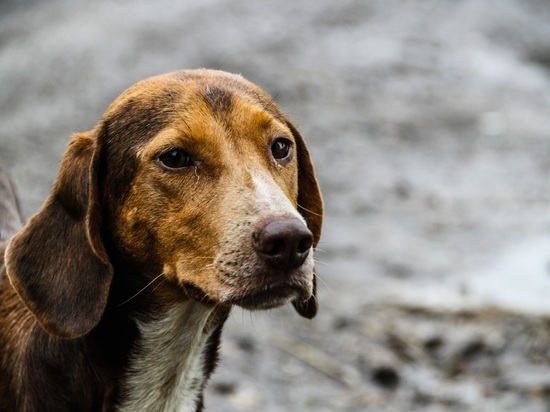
[(222, 166), (200, 176)]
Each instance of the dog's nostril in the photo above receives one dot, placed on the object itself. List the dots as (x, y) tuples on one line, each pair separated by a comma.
[(283, 243), (275, 247)]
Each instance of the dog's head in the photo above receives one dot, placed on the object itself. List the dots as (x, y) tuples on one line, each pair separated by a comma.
[(195, 175)]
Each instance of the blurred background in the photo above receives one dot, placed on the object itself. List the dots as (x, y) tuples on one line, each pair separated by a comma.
[(429, 125)]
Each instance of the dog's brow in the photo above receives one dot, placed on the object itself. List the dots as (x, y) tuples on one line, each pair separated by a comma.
[(188, 133), (181, 117)]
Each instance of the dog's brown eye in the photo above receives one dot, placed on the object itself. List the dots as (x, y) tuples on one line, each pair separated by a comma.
[(281, 149), (175, 159)]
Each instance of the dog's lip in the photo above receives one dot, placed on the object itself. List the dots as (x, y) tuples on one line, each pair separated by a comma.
[(268, 296), (271, 296)]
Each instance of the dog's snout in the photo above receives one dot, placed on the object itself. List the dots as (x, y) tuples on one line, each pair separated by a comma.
[(283, 243)]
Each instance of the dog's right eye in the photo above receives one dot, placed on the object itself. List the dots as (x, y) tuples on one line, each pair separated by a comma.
[(175, 159)]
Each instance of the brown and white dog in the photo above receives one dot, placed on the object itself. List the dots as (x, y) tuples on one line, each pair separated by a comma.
[(193, 193)]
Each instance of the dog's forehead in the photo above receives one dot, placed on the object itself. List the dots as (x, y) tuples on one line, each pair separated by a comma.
[(216, 88), (153, 104)]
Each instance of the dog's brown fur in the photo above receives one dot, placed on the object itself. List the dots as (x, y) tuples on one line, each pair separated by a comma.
[(121, 242)]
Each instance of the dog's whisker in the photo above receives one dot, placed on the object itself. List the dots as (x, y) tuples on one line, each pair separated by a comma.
[(309, 211), (141, 291), (323, 282), (321, 262), (159, 285)]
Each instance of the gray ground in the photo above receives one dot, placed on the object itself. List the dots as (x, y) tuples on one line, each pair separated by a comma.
[(429, 126)]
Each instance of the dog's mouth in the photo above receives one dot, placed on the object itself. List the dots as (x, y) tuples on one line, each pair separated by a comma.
[(272, 296), (268, 297)]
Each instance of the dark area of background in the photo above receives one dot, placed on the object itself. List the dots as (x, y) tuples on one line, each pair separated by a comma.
[(428, 122)]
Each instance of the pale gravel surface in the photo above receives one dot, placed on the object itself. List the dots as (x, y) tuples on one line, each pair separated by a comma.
[(429, 125)]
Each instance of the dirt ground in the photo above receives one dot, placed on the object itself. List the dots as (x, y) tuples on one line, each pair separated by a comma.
[(429, 125)]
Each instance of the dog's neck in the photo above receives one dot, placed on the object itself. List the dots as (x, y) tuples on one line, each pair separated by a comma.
[(166, 370)]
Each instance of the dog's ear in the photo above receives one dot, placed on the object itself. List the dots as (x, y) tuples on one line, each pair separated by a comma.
[(310, 206), (57, 263)]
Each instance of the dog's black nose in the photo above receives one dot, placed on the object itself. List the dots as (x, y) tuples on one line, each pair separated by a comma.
[(283, 243)]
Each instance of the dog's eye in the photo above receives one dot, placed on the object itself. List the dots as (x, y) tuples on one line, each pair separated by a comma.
[(175, 159), (281, 149)]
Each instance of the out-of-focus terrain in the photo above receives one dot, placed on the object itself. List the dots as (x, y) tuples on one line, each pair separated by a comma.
[(429, 125)]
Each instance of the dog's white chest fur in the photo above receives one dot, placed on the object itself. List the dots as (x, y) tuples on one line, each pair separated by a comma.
[(166, 371)]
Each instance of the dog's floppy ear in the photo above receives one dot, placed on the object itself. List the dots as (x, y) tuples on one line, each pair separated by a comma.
[(57, 263), (310, 206)]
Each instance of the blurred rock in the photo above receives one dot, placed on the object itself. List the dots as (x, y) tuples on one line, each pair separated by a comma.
[(386, 377)]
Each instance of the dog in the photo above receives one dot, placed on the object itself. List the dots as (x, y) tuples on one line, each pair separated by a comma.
[(194, 193)]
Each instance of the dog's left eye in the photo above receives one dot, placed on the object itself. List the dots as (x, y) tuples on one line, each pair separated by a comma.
[(175, 159), (281, 149)]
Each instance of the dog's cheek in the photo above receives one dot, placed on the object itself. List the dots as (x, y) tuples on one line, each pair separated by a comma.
[(134, 233)]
